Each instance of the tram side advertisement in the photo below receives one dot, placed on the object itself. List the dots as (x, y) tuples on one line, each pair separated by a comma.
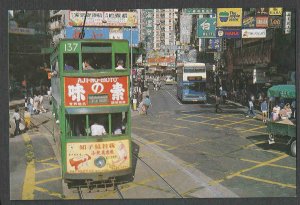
[(93, 157), (90, 92)]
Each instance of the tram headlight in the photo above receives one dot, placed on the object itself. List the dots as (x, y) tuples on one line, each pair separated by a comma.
[(100, 162)]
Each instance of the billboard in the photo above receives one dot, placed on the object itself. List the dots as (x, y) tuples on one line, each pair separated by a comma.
[(90, 33), (92, 92), (214, 44), (229, 17), (185, 28), (206, 27), (276, 11), (275, 21), (114, 153), (135, 36), (249, 22), (198, 10), (115, 33), (254, 33), (262, 11), (228, 33), (103, 18)]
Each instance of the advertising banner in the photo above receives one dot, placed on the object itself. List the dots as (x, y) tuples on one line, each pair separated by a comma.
[(229, 17), (277, 11), (198, 10), (228, 33), (275, 21), (249, 22), (115, 33), (91, 92), (262, 21), (90, 33), (103, 18), (254, 33), (206, 27), (80, 156), (185, 28), (262, 11)]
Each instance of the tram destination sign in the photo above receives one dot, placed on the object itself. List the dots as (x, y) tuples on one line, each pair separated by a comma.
[(85, 92)]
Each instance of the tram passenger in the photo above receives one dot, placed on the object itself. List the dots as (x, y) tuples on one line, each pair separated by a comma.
[(87, 65), (120, 65), (97, 130), (68, 66), (117, 123)]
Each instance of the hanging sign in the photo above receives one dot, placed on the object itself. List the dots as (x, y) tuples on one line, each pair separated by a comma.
[(277, 11), (206, 27), (254, 33), (229, 17), (275, 21), (287, 22), (262, 11), (80, 92), (228, 33), (249, 22), (262, 21)]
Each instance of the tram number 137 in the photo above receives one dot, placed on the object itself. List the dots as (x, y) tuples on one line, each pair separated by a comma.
[(71, 47)]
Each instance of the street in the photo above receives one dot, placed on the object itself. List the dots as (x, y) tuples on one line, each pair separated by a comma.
[(228, 147)]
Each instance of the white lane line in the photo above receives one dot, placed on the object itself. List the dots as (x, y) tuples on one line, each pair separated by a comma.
[(174, 98)]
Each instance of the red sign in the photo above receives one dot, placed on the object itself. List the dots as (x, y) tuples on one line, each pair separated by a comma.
[(96, 91), (262, 22)]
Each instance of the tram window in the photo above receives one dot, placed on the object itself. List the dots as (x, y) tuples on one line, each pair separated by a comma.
[(77, 125), (118, 123), (71, 61), (120, 61), (99, 124), (96, 61)]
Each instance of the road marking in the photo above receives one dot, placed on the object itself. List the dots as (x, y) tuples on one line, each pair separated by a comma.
[(256, 128), (192, 143), (178, 135), (47, 180), (174, 98), (272, 165), (268, 181), (249, 169), (29, 179), (234, 123), (45, 160), (48, 169), (51, 193)]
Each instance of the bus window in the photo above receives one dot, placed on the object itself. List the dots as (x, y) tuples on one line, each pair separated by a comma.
[(118, 121), (98, 56), (99, 124), (76, 125), (120, 61), (71, 61)]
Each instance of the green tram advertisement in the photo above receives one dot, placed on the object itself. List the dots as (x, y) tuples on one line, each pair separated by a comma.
[(90, 86)]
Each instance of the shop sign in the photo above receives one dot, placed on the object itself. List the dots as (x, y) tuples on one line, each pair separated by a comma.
[(229, 17), (259, 76), (101, 18), (249, 22), (254, 33), (262, 21), (198, 10), (80, 156), (91, 92), (228, 33), (275, 11), (275, 21), (262, 11), (206, 27), (24, 31)]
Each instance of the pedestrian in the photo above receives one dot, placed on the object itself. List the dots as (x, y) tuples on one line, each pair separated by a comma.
[(36, 104), (17, 118), (293, 105), (218, 102), (27, 118), (250, 109), (146, 104), (264, 110)]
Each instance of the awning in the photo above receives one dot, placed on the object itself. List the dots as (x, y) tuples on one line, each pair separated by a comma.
[(283, 91)]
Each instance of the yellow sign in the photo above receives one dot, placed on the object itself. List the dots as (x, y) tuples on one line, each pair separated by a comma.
[(276, 11), (229, 17), (91, 157)]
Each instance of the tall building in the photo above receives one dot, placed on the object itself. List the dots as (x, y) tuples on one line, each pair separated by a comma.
[(158, 30)]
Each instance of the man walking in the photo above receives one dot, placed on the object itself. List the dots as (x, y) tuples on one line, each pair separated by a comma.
[(218, 101), (250, 109)]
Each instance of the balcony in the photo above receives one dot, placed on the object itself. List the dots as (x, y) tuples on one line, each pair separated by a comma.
[(56, 25)]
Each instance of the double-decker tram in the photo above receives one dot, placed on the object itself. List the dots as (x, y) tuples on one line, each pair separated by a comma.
[(191, 82), (90, 86)]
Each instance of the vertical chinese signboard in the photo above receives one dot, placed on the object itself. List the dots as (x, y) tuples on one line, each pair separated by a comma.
[(206, 27), (96, 91)]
